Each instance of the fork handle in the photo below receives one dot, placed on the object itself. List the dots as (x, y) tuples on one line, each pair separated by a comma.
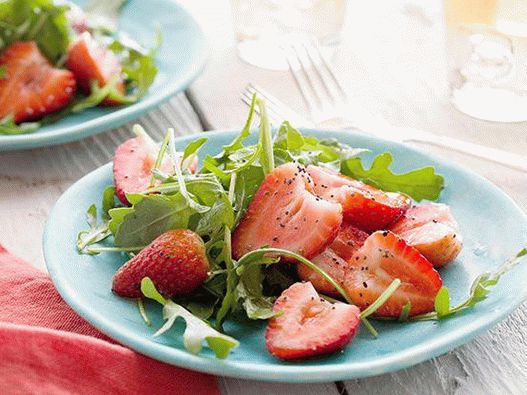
[(509, 159)]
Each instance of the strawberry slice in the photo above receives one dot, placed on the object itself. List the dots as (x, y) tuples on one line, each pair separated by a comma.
[(383, 258), (91, 62), (176, 262), (334, 259), (367, 207), (32, 87), (431, 229), (285, 213), (309, 325), (133, 163), (348, 240)]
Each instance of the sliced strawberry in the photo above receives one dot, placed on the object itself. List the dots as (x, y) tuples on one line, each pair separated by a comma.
[(91, 62), (133, 163), (367, 207), (348, 240), (383, 258), (309, 325), (284, 213), (32, 87), (334, 259), (431, 229), (176, 262)]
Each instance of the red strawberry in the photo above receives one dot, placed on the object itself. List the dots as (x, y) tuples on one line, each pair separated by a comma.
[(367, 207), (91, 62), (349, 240), (285, 213), (334, 259), (431, 229), (32, 87), (383, 258), (133, 163), (176, 262), (309, 325)]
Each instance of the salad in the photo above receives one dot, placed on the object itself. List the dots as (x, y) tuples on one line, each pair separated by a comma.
[(56, 59), (290, 229)]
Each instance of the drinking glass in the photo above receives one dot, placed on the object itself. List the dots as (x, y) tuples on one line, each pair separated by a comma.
[(263, 27), (487, 58)]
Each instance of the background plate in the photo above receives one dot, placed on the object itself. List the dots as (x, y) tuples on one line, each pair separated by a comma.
[(483, 212), (179, 60)]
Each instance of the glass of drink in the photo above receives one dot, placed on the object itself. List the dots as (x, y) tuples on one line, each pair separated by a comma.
[(487, 58), (264, 27)]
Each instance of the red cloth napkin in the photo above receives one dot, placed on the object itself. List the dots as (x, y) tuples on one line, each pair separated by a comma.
[(46, 348)]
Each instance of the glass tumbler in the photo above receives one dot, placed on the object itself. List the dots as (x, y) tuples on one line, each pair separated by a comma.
[(263, 27), (487, 58)]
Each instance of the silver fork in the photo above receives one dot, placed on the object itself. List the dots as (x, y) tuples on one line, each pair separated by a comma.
[(329, 107)]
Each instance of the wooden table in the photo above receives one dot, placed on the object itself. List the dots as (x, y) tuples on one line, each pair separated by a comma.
[(392, 60)]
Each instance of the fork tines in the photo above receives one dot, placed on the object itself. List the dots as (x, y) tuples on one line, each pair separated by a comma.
[(320, 88), (277, 110)]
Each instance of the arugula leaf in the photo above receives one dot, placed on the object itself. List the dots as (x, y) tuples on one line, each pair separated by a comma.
[(43, 21), (250, 291), (228, 302), (8, 127), (247, 183), (138, 64), (237, 143), (290, 145), (147, 219), (193, 204), (96, 97), (478, 291), (95, 234), (442, 303), (201, 309), (108, 201), (193, 147), (279, 277), (267, 155), (419, 184), (149, 290), (196, 332), (221, 214)]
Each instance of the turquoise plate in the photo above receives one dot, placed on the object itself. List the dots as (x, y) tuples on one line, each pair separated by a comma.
[(179, 60), (483, 212)]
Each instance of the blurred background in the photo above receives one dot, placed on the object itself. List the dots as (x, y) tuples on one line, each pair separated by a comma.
[(424, 64)]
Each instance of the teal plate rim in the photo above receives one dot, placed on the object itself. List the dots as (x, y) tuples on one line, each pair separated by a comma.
[(57, 134), (280, 372)]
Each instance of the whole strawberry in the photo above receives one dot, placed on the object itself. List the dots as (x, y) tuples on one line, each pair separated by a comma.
[(176, 262)]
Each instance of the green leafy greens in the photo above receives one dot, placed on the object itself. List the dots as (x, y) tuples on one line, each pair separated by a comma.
[(419, 184), (211, 203), (42, 21), (97, 232), (196, 332), (46, 22)]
